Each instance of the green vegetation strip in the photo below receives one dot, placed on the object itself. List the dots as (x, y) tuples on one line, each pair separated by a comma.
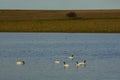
[(75, 26)]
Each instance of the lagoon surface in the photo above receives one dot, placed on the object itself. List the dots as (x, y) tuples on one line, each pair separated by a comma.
[(40, 50)]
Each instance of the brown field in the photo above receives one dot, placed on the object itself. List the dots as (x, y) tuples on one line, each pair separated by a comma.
[(100, 21), (56, 14)]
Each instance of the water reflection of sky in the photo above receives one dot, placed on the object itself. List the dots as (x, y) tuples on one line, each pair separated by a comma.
[(40, 50)]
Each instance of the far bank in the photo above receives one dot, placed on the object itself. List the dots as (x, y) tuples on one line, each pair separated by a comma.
[(57, 14)]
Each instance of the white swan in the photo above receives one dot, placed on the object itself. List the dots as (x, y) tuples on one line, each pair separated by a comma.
[(20, 62), (57, 61), (82, 62), (77, 64), (71, 57), (66, 65)]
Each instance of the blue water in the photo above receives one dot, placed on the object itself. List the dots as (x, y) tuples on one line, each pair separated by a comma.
[(40, 50)]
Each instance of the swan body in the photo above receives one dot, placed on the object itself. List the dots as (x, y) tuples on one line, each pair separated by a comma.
[(57, 61), (83, 62), (66, 65), (71, 57), (20, 62), (78, 64)]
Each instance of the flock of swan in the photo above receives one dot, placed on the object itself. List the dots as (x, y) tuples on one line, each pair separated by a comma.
[(78, 64)]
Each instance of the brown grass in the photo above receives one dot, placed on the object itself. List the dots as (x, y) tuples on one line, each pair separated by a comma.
[(84, 25), (56, 14)]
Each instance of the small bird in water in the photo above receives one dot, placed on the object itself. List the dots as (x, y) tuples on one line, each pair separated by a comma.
[(78, 64), (20, 62), (71, 57), (65, 64), (83, 62), (57, 62)]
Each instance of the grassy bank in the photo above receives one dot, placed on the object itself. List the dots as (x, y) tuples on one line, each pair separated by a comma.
[(81, 25)]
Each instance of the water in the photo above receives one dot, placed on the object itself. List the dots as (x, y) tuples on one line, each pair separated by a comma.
[(40, 50)]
